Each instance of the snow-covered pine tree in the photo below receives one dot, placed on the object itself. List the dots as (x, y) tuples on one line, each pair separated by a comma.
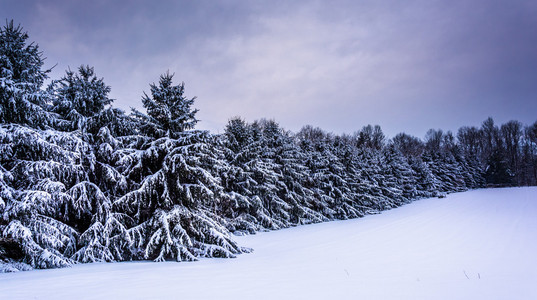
[(174, 196), (40, 171), (288, 161), (469, 167), (79, 97), (325, 169), (32, 193), (50, 202), (381, 188), (265, 182), (367, 186), (296, 178), (21, 77), (268, 179), (168, 110), (426, 182), (244, 210), (399, 176), (358, 177), (54, 212), (353, 203)]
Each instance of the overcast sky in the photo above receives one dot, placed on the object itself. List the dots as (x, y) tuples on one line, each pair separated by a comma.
[(405, 65)]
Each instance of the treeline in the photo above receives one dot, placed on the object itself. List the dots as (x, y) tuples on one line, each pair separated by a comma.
[(82, 181), (505, 155)]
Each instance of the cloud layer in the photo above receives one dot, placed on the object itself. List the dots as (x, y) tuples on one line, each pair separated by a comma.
[(407, 66)]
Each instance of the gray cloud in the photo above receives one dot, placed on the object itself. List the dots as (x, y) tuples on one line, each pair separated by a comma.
[(407, 66)]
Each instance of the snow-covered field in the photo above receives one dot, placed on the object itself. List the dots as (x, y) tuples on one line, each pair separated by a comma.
[(476, 245)]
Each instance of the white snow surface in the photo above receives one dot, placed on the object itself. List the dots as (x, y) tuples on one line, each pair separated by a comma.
[(480, 244)]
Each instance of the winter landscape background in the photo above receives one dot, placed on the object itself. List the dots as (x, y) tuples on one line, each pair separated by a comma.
[(83, 181)]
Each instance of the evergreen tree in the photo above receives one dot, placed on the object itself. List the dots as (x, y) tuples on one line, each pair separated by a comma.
[(52, 205), (399, 174), (79, 97), (243, 148), (168, 111), (21, 77), (426, 183), (175, 197)]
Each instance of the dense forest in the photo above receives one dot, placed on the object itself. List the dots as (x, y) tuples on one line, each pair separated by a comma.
[(82, 181)]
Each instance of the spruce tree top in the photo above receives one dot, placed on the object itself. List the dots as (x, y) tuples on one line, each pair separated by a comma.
[(83, 92), (21, 99), (168, 111), (20, 62)]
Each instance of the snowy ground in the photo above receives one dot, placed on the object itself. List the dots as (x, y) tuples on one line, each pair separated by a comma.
[(475, 245)]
